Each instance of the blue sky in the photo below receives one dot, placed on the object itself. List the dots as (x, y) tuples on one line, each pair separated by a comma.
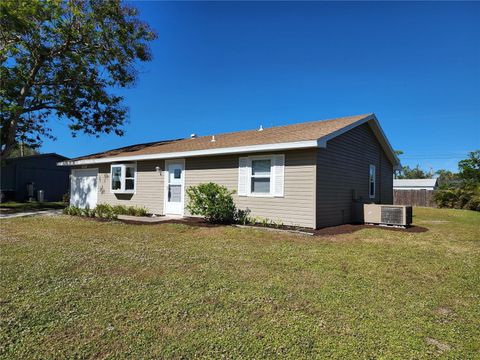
[(225, 66)]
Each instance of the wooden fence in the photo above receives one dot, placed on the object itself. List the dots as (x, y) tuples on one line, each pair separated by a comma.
[(414, 197)]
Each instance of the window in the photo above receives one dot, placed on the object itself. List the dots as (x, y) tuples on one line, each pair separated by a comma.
[(372, 181), (260, 178), (123, 178), (129, 177), (116, 177)]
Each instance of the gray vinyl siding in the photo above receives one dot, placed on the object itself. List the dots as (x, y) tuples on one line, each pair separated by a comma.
[(149, 187), (41, 170), (297, 207), (386, 180), (343, 173), (319, 184)]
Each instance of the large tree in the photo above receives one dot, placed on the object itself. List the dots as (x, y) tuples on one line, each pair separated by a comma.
[(64, 59), (469, 169), (414, 173)]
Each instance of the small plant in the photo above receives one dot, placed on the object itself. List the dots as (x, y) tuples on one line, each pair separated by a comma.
[(212, 201), (264, 222), (243, 216), (106, 211), (89, 212), (73, 211)]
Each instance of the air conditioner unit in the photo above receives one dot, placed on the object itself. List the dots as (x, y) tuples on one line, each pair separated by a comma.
[(396, 215)]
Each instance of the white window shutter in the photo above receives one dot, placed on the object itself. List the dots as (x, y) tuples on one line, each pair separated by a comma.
[(278, 175), (242, 176)]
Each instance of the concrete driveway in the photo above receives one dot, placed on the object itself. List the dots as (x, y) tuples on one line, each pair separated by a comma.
[(50, 212)]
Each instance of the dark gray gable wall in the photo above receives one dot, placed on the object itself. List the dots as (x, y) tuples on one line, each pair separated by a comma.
[(343, 173), (42, 170)]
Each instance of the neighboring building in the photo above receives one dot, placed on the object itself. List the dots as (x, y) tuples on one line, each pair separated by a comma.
[(40, 170), (414, 184), (308, 174)]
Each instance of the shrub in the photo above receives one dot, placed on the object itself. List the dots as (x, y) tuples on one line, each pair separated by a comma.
[(473, 203), (106, 211), (72, 210), (461, 198), (128, 210), (212, 201), (243, 216), (445, 198)]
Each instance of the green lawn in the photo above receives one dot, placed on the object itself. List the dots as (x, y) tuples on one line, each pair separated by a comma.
[(76, 288)]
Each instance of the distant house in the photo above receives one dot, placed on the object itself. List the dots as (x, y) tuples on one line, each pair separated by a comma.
[(41, 171), (414, 184), (308, 174)]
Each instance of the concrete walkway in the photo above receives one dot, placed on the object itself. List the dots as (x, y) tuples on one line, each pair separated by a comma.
[(51, 212)]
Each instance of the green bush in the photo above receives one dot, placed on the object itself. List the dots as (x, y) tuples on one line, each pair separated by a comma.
[(76, 211), (243, 216), (212, 201), (106, 211), (459, 198)]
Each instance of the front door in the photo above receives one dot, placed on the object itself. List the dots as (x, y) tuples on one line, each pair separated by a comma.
[(174, 187)]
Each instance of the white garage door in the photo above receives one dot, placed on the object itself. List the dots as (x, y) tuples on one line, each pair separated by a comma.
[(83, 188)]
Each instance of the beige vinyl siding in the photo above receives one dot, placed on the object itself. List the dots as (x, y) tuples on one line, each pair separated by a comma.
[(297, 207), (343, 172), (149, 189)]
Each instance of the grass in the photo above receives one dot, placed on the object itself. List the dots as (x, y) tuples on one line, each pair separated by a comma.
[(14, 207), (77, 288)]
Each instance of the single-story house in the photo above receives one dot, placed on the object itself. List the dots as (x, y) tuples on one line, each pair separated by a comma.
[(308, 174), (414, 184), (22, 177)]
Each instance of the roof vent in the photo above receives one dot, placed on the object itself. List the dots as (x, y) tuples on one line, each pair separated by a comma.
[(213, 138), (260, 128), (193, 136)]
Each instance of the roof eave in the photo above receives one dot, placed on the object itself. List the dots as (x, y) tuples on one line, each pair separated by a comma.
[(206, 152)]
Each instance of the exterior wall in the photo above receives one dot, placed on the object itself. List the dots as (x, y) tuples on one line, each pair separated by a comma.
[(386, 179), (296, 207), (343, 174), (320, 184), (42, 170), (149, 187)]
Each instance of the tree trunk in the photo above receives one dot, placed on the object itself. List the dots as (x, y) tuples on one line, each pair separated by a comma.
[(15, 117)]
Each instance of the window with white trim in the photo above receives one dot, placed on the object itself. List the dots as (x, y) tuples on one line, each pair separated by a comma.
[(372, 181), (261, 175), (123, 178)]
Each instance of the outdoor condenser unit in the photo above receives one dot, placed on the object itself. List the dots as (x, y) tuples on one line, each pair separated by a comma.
[(397, 215)]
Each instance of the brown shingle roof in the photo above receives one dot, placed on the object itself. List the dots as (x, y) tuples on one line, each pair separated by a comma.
[(312, 130)]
